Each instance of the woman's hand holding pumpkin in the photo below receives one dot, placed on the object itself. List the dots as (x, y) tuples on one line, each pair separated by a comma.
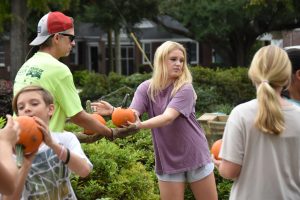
[(102, 108), (129, 129), (137, 122)]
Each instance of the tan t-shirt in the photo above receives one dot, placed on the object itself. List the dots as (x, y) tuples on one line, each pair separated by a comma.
[(270, 164)]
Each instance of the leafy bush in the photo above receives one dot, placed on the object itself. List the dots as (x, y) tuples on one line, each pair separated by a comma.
[(117, 174), (81, 77), (95, 86), (218, 87), (2, 122)]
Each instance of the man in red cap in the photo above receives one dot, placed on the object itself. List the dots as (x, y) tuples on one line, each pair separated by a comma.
[(55, 38)]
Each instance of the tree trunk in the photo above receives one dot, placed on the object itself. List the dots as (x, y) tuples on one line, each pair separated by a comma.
[(101, 57), (118, 52), (110, 50), (18, 36)]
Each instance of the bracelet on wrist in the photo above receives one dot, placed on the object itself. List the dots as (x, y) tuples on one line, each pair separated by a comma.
[(68, 157), (113, 108)]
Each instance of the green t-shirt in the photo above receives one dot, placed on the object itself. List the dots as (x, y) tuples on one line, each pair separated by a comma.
[(46, 71)]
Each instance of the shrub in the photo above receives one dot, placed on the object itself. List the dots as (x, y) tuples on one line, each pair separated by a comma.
[(95, 86), (81, 77), (117, 174)]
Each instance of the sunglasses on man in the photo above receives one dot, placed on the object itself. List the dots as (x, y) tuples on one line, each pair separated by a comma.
[(71, 37)]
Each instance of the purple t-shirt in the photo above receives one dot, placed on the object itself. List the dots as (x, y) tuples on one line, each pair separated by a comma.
[(181, 145)]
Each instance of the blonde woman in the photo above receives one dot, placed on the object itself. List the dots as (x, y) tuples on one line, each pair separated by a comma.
[(261, 141), (181, 149)]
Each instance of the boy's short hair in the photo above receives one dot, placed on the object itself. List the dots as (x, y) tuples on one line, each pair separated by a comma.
[(47, 97), (294, 56)]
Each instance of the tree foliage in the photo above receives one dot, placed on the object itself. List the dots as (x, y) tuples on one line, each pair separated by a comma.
[(231, 27), (4, 14), (111, 14)]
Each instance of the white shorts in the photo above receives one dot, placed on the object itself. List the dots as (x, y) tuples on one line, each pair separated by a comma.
[(188, 176)]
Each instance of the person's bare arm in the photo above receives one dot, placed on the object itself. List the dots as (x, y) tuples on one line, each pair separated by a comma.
[(21, 178), (85, 120), (8, 167), (75, 163), (167, 117), (229, 170)]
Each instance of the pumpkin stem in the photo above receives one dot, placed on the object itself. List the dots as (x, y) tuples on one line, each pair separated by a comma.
[(88, 106), (19, 154), (124, 102)]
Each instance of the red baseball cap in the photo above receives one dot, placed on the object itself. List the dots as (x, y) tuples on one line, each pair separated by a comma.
[(49, 24)]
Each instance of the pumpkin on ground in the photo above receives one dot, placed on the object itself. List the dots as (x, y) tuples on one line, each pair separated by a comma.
[(122, 115), (30, 138), (99, 118), (215, 149)]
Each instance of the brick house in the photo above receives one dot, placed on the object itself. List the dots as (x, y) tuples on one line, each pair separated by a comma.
[(91, 51)]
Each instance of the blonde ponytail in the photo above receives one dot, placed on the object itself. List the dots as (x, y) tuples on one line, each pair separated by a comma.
[(270, 71), (269, 118)]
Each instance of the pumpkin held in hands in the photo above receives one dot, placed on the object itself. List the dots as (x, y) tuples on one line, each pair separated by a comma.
[(100, 119), (30, 138), (120, 116), (215, 149)]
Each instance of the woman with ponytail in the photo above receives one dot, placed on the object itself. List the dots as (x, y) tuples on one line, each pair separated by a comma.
[(261, 141)]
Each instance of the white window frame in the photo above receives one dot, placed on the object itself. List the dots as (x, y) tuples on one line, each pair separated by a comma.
[(195, 62), (149, 54), (127, 58), (90, 45)]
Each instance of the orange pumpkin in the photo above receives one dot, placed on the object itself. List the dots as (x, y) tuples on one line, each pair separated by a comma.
[(215, 149), (120, 116), (30, 136), (99, 118)]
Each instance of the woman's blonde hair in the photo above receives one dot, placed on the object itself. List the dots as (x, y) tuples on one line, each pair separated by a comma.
[(160, 75), (47, 97), (270, 70)]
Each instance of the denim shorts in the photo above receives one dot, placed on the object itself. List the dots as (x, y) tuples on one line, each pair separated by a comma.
[(188, 176)]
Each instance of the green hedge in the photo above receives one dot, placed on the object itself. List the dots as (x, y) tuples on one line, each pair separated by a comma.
[(124, 169), (218, 89)]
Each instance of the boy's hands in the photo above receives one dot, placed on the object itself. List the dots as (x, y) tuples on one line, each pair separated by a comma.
[(45, 130)]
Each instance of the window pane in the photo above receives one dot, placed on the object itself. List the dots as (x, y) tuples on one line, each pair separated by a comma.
[(130, 52), (123, 52)]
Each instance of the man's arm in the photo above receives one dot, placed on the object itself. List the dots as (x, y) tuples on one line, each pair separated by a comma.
[(86, 121)]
